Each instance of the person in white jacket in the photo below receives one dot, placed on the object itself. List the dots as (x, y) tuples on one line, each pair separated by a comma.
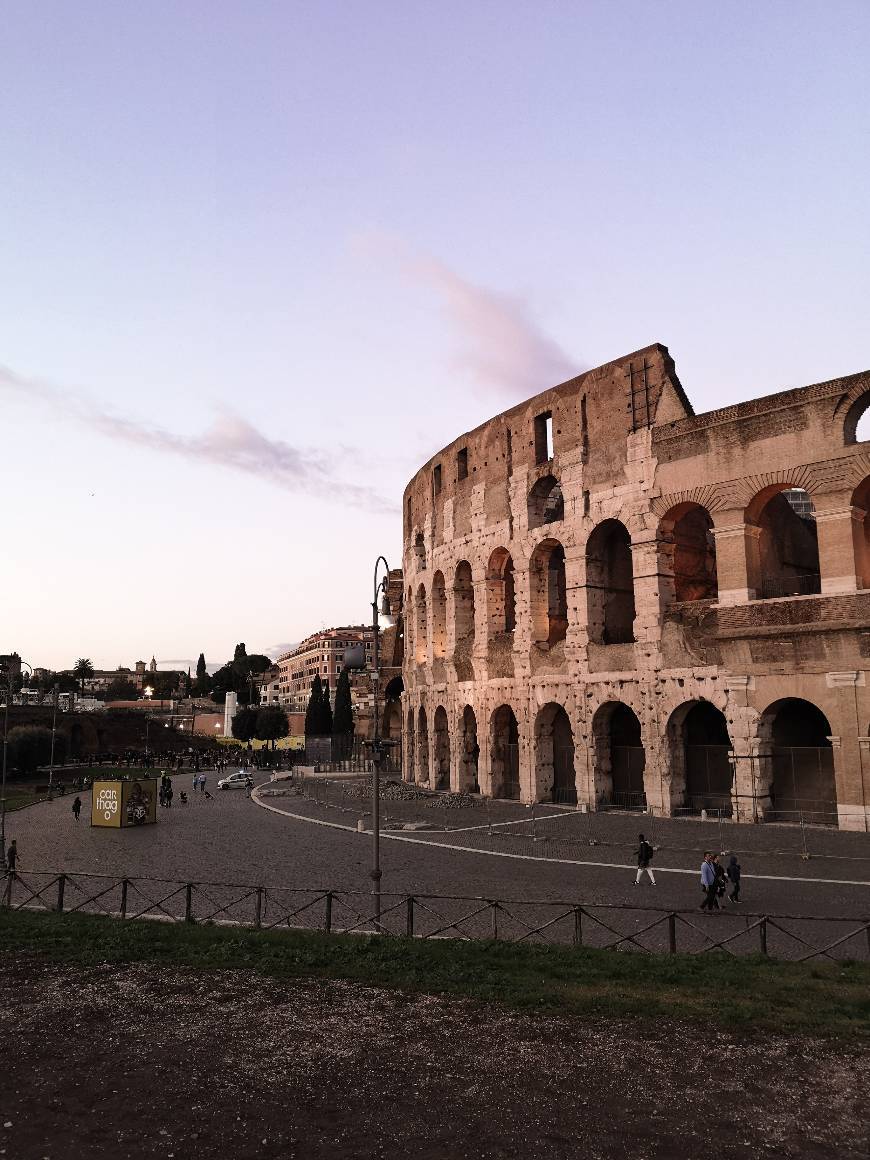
[(708, 884)]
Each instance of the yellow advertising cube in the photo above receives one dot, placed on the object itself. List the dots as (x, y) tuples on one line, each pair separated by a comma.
[(124, 803)]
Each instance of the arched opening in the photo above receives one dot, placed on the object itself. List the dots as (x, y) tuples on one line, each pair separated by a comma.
[(463, 619), (410, 756), (546, 504), (470, 753), (554, 756), (549, 594), (802, 785), (861, 531), (610, 584), (391, 732), (504, 754), (787, 558), (856, 428), (422, 747), (442, 750), (420, 634), (687, 554), (702, 776), (619, 758), (439, 616), (501, 606), (420, 549)]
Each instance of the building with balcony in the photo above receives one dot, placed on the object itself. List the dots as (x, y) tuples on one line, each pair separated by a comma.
[(613, 601)]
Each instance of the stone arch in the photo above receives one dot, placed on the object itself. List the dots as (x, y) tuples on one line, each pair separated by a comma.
[(420, 549), (699, 750), (785, 561), (501, 611), (422, 747), (504, 753), (555, 777), (687, 554), (796, 776), (546, 504), (548, 593), (619, 757), (610, 584), (439, 616), (856, 426), (442, 749), (469, 754), (391, 731), (421, 627), (861, 532), (463, 620), (410, 755)]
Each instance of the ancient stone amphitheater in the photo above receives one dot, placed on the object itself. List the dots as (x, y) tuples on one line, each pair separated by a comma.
[(612, 601)]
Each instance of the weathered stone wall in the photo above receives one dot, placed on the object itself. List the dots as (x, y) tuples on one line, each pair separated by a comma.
[(612, 533)]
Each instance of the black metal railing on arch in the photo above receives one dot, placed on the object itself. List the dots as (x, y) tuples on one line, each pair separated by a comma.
[(607, 926)]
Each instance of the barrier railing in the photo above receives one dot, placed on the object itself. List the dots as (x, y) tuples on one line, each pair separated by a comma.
[(607, 926)]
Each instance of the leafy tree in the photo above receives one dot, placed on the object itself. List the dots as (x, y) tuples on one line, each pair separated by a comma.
[(342, 717), (314, 710), (244, 725), (240, 655), (272, 723), (30, 747), (121, 690), (83, 670), (326, 712)]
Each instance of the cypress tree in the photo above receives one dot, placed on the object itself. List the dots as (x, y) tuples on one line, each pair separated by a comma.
[(314, 711), (326, 711), (342, 718), (200, 667)]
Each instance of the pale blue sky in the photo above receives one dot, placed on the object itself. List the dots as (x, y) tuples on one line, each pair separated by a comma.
[(323, 218)]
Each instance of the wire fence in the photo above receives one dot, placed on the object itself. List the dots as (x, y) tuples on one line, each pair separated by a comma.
[(427, 916)]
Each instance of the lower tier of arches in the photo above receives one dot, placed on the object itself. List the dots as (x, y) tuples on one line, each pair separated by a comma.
[(627, 748)]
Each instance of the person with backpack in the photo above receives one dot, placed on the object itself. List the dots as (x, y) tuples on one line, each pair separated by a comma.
[(77, 808), (733, 874), (644, 853)]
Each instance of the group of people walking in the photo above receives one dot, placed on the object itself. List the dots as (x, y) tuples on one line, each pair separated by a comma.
[(715, 878)]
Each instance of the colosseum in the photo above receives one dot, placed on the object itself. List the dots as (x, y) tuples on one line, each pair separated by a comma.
[(613, 602)]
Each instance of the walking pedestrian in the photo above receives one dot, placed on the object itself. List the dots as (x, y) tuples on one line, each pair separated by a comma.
[(733, 873), (708, 883), (644, 853), (202, 779), (719, 870), (77, 808), (12, 856)]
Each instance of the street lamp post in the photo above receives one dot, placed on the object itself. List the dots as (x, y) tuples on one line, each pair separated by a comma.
[(381, 618), (55, 697)]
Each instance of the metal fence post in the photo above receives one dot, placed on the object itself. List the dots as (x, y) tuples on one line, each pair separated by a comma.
[(578, 926), (258, 908), (494, 909), (188, 902), (327, 914), (672, 933), (61, 887), (762, 936), (124, 898), (7, 893), (409, 916)]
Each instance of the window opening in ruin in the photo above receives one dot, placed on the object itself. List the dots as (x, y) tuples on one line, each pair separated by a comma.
[(439, 616), (410, 747), (549, 596), (420, 641), (420, 549), (785, 561), (442, 750), (422, 747), (687, 554), (410, 515), (620, 759), (544, 437), (584, 431), (436, 479), (463, 619), (504, 754), (610, 584), (462, 463), (555, 778), (861, 533), (500, 593), (470, 754), (509, 453), (802, 785), (546, 503), (856, 428)]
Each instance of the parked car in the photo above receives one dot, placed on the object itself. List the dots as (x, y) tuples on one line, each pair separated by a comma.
[(240, 780)]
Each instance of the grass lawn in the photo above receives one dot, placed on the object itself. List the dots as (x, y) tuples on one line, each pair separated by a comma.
[(749, 992)]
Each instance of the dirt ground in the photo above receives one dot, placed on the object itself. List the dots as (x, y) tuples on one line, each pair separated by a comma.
[(148, 1062)]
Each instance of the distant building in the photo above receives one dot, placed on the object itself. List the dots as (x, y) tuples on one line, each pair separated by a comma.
[(321, 654)]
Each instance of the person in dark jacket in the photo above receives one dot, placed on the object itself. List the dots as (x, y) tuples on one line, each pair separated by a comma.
[(12, 857), (733, 873), (77, 808), (644, 853)]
